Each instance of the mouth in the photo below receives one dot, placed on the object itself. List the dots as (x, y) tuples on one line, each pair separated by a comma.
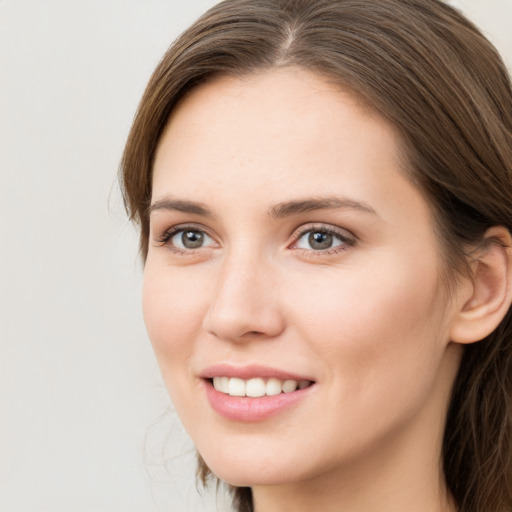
[(254, 393), (257, 387)]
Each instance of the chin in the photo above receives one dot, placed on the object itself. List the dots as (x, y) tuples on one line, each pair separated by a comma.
[(245, 469)]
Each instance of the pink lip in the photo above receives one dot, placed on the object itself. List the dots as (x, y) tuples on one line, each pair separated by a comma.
[(249, 372), (247, 409), (251, 409)]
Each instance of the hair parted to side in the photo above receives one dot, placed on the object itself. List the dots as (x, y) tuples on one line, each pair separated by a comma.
[(428, 71)]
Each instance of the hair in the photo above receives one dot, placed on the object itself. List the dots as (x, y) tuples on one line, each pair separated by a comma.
[(427, 70)]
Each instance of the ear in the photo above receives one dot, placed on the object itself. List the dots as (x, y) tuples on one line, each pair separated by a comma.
[(489, 295)]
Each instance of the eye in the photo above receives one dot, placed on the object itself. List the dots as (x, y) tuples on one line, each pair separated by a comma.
[(186, 239), (322, 239)]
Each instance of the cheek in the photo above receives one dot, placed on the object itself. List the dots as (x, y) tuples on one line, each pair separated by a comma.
[(173, 307), (369, 319), (380, 338)]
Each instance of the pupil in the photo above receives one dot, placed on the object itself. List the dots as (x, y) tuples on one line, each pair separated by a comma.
[(320, 240), (192, 239)]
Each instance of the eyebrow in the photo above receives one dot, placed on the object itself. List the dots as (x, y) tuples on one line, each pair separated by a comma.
[(307, 205), (280, 210), (181, 206)]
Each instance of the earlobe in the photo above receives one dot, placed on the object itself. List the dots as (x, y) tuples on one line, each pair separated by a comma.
[(491, 293)]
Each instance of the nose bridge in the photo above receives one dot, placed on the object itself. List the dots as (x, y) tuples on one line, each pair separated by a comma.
[(245, 298)]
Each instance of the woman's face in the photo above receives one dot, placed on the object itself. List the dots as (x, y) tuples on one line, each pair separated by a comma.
[(289, 251)]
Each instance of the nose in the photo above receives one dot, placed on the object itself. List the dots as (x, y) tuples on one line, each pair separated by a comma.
[(244, 305)]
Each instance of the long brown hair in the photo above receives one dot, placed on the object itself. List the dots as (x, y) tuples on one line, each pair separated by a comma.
[(426, 69)]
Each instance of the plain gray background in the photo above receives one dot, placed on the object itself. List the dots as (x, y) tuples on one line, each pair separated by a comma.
[(80, 393)]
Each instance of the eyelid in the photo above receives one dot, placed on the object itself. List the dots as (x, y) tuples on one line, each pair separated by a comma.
[(164, 238), (348, 238), (344, 235)]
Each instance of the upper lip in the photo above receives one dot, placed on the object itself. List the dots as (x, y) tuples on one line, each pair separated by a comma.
[(249, 372)]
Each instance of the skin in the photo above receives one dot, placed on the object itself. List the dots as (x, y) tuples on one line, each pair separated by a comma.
[(368, 319)]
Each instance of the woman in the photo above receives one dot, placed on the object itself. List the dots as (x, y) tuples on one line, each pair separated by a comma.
[(324, 191)]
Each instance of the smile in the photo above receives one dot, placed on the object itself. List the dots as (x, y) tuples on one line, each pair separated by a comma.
[(257, 387)]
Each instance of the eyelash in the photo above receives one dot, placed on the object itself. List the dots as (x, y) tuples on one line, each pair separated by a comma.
[(346, 240), (174, 230), (341, 235)]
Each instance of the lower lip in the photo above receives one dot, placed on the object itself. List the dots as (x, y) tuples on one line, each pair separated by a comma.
[(252, 409)]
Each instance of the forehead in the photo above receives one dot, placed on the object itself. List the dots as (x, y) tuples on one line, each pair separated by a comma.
[(280, 134), (238, 116), (274, 98), (290, 89)]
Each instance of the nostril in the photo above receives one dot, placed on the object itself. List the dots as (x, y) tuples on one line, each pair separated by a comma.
[(232, 319)]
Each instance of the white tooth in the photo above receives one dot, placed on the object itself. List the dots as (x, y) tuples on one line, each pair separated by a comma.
[(236, 387), (273, 387), (303, 384), (289, 386), (255, 387), (224, 384), (217, 384)]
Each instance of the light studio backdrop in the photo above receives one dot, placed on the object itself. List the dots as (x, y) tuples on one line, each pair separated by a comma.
[(83, 421)]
